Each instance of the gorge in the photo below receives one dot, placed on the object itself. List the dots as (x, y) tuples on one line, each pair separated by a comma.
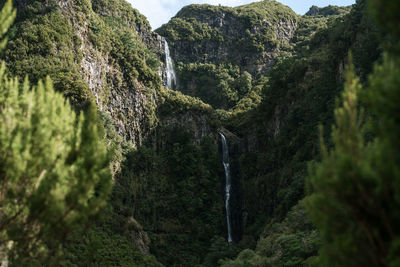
[(254, 87)]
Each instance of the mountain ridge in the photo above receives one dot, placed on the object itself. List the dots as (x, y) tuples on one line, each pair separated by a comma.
[(260, 71)]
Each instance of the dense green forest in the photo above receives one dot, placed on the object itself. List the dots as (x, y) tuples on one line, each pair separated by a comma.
[(102, 165)]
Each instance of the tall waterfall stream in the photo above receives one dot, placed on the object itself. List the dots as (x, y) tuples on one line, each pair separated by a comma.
[(225, 161), (169, 68), (170, 82)]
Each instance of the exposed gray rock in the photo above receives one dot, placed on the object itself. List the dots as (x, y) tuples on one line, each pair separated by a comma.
[(132, 109), (198, 124)]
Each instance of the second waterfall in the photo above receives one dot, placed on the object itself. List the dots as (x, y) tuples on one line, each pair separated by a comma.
[(225, 161)]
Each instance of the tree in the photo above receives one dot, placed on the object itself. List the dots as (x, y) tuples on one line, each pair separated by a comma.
[(54, 167), (244, 83), (7, 16), (356, 199), (386, 13)]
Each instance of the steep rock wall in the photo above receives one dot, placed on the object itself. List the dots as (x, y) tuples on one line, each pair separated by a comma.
[(205, 33)]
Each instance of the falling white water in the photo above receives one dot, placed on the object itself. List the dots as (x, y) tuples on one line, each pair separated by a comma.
[(225, 161), (169, 70)]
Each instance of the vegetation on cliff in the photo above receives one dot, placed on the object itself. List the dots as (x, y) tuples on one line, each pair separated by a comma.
[(358, 179), (48, 40), (216, 47), (175, 194), (55, 168), (354, 189), (299, 95), (259, 72)]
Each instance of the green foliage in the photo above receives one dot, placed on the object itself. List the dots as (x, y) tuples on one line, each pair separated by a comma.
[(219, 78), (214, 84), (220, 250), (195, 23), (293, 242), (272, 10), (114, 27), (218, 45), (132, 57), (307, 27), (356, 185), (55, 171), (338, 178), (299, 94), (191, 30), (109, 243), (7, 17), (328, 11), (253, 12), (174, 102), (387, 16), (172, 185), (44, 42), (175, 193), (223, 86), (121, 10)]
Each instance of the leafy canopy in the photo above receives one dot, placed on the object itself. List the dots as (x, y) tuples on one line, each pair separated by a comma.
[(54, 170)]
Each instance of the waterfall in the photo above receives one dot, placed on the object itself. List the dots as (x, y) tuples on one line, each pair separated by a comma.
[(170, 79), (225, 161)]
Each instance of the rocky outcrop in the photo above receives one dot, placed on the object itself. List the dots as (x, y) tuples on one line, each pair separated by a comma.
[(327, 11), (138, 236), (132, 108), (198, 124)]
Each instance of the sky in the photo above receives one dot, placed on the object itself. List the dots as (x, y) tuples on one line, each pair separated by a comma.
[(159, 12)]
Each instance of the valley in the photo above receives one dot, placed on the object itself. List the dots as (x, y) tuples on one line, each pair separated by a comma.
[(215, 125)]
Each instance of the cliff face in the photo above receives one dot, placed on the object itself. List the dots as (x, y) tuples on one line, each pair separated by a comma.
[(280, 136), (171, 184), (327, 11), (104, 52), (131, 105), (101, 51), (221, 52), (250, 36), (299, 96)]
